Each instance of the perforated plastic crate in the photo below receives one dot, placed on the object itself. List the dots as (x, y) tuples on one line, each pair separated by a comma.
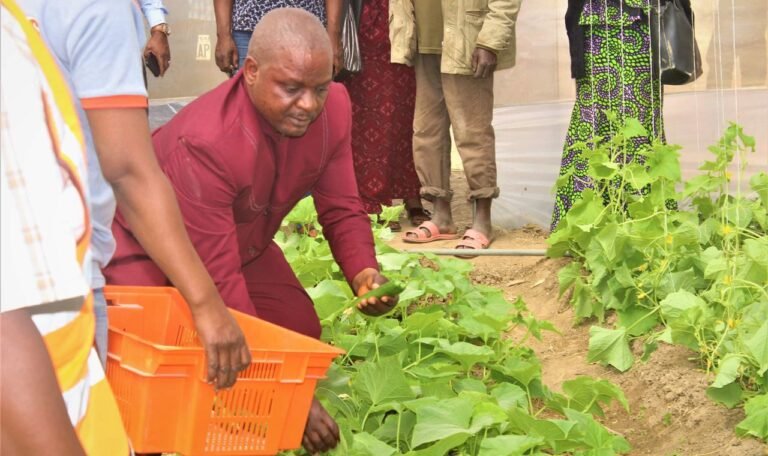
[(156, 368)]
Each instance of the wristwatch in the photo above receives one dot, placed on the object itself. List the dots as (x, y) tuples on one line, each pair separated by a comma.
[(163, 27)]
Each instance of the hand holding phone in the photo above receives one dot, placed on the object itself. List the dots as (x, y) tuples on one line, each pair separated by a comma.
[(151, 62)]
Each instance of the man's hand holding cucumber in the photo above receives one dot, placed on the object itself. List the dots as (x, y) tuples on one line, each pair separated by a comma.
[(377, 295)]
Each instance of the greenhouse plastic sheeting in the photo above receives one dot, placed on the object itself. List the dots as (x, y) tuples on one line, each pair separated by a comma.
[(529, 145), (534, 99)]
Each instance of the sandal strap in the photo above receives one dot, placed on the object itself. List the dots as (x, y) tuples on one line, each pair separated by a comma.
[(470, 244), (426, 230), (475, 235)]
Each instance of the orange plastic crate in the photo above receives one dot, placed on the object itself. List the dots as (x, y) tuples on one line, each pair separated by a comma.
[(156, 368)]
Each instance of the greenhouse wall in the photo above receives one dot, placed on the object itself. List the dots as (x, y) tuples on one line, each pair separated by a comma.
[(534, 100)]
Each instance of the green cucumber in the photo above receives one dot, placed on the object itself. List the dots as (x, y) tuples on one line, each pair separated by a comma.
[(391, 289)]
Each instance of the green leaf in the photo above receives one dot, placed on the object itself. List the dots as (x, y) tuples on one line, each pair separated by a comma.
[(468, 354), (739, 215), (412, 291), (675, 304), (436, 370), (393, 261), (509, 395), (364, 444), (551, 431), (714, 262), (757, 250), (706, 229), (759, 183), (612, 239), (585, 394), (595, 436), (677, 281), (633, 128), (443, 420), (382, 381), (524, 371), (637, 320), (482, 326), (469, 384), (329, 297), (437, 386), (568, 275), (442, 447), (727, 370), (665, 162), (585, 213), (508, 445), (601, 166), (584, 304), (610, 346), (758, 347), (422, 322), (649, 347), (440, 287), (756, 422), (729, 395), (486, 415)]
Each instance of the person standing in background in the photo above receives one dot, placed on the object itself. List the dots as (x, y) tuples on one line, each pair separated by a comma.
[(383, 96), (610, 47), (235, 20), (155, 13), (455, 47)]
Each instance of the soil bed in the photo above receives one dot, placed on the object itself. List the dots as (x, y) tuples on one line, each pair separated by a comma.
[(670, 414)]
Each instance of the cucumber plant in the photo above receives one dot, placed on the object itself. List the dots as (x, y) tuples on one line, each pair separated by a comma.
[(442, 373), (678, 262)]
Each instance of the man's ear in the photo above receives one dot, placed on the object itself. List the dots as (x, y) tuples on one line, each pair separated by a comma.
[(250, 69)]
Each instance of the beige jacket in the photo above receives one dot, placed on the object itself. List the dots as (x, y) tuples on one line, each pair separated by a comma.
[(467, 24)]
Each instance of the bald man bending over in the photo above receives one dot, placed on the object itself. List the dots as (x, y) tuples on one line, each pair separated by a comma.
[(240, 157)]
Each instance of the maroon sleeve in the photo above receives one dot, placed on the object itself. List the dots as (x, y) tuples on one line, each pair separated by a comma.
[(345, 223), (205, 192)]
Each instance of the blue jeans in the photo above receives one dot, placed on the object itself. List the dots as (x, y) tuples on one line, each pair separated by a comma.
[(241, 39), (100, 310)]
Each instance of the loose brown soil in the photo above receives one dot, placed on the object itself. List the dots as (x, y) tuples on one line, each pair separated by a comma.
[(670, 414)]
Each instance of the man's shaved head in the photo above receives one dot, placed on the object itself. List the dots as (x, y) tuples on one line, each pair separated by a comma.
[(288, 69), (285, 29)]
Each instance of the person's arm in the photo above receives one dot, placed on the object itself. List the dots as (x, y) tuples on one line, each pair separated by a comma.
[(226, 51), (344, 220), (35, 419), (495, 36), (402, 32), (148, 203), (103, 49), (157, 44), (334, 10)]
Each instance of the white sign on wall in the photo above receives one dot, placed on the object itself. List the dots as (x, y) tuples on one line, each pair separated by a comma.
[(203, 47)]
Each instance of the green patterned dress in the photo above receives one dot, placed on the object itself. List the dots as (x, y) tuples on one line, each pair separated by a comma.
[(617, 56)]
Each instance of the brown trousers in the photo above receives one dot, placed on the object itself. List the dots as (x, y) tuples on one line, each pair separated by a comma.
[(466, 104)]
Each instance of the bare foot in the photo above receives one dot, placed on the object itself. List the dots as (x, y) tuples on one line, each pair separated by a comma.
[(416, 212)]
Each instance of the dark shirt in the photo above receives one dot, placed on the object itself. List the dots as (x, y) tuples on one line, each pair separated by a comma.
[(247, 13), (236, 178)]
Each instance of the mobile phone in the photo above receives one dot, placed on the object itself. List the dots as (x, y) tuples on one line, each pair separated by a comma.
[(152, 64)]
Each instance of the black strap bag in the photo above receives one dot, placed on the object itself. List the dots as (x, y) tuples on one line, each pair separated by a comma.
[(677, 59)]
